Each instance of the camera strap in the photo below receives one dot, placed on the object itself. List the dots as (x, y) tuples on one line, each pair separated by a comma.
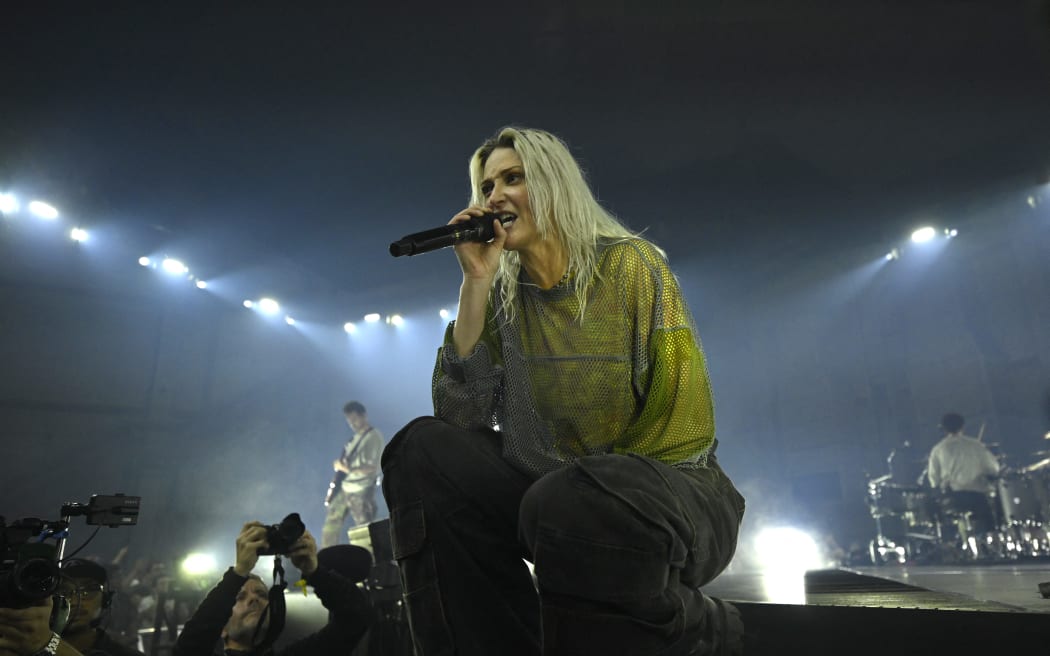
[(275, 610)]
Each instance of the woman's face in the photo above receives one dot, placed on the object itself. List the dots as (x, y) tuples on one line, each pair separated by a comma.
[(505, 190)]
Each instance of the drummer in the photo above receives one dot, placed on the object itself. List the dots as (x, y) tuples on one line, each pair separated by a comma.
[(966, 470), (960, 463)]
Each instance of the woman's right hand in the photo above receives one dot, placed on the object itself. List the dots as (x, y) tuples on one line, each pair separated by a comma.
[(479, 260)]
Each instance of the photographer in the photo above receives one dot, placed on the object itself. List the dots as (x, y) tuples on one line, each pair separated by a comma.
[(27, 632), (236, 609), (86, 585)]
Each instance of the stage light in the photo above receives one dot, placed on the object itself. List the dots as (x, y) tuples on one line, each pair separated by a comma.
[(78, 234), (372, 318), (786, 549), (248, 303), (443, 313), (42, 210), (1032, 202), (350, 328), (199, 564), (395, 319), (8, 204), (893, 255), (950, 232), (174, 266), (923, 235), (144, 261), (201, 284), (269, 306), (290, 321)]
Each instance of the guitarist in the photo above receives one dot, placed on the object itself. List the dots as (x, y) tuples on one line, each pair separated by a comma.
[(353, 487)]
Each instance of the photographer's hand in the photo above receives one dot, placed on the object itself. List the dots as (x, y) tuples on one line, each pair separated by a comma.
[(25, 631), (303, 554), (251, 539)]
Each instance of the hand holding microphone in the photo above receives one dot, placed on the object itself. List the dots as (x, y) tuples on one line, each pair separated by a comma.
[(478, 228)]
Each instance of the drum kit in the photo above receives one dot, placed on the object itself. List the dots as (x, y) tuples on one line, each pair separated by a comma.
[(916, 524)]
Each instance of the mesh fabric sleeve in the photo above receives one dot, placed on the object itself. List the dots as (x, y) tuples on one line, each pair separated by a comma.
[(465, 390), (676, 422)]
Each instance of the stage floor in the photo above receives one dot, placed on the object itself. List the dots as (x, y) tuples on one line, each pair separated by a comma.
[(894, 609), (994, 587)]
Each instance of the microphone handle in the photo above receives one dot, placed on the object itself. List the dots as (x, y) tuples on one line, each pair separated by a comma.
[(477, 229)]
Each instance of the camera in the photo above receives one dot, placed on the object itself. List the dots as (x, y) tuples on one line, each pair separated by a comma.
[(282, 536), (28, 570), (31, 549)]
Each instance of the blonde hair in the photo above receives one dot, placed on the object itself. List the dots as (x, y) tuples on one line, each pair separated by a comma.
[(562, 204)]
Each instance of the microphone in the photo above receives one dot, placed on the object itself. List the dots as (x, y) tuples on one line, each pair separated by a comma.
[(478, 228)]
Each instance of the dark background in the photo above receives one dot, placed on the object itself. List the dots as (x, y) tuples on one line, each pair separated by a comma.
[(776, 150)]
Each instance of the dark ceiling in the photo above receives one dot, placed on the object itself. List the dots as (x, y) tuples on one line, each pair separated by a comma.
[(290, 145)]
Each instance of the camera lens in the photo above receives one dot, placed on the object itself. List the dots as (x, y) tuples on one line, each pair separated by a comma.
[(282, 536)]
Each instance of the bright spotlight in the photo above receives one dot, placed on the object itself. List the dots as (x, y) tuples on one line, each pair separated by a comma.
[(372, 318), (248, 303), (144, 261), (786, 548), (950, 232), (269, 306), (349, 327), (41, 209), (78, 234), (199, 564), (290, 321), (923, 234), (1032, 202), (443, 313), (395, 319), (201, 284), (893, 255), (8, 204), (173, 266)]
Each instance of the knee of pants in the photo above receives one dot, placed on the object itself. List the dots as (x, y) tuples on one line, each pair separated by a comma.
[(591, 500), (404, 441), (405, 457), (588, 543)]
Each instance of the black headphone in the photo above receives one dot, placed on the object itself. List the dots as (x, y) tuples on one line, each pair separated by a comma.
[(95, 572)]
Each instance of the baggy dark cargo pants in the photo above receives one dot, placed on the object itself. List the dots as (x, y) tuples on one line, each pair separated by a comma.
[(620, 545)]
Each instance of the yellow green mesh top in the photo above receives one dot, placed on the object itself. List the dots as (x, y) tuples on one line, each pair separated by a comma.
[(631, 378)]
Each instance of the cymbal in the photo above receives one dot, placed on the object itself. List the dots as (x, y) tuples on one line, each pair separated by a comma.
[(1036, 466)]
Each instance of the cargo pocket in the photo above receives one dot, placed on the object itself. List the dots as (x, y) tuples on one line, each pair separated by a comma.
[(431, 634)]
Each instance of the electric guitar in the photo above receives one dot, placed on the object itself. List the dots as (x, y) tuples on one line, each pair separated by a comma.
[(339, 476)]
